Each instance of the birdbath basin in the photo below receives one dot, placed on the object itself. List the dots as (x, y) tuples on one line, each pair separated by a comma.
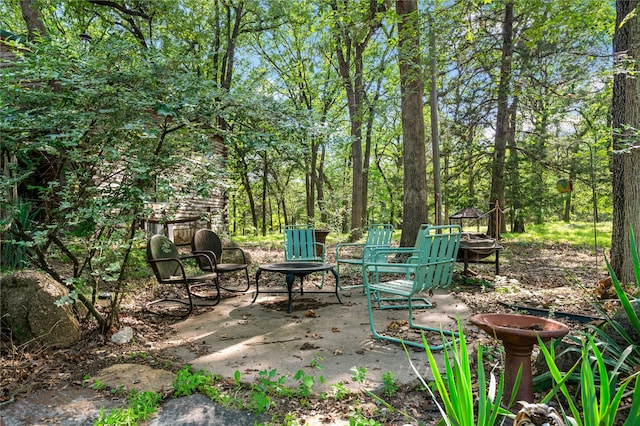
[(518, 333)]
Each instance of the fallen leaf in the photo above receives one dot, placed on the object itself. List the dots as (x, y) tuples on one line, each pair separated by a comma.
[(337, 352), (335, 329), (396, 325)]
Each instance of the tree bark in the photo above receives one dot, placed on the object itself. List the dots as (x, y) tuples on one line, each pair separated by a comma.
[(435, 139), (33, 19), (411, 91), (517, 224), (496, 224), (626, 146)]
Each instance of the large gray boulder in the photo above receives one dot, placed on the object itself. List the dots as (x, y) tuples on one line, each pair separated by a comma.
[(27, 301)]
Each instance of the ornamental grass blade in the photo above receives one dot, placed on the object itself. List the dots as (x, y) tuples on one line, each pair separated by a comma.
[(559, 379), (634, 414)]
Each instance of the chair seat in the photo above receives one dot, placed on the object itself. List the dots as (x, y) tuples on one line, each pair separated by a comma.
[(397, 287), (390, 268), (351, 261), (230, 267), (190, 279)]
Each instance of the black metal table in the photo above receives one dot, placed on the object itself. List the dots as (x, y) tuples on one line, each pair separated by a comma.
[(292, 270)]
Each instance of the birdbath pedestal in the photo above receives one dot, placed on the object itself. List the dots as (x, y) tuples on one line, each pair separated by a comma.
[(518, 333)]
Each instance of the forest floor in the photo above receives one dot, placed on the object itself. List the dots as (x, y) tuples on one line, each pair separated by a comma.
[(558, 278)]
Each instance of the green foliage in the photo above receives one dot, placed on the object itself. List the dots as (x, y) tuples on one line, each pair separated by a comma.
[(306, 383), (262, 391), (340, 391), (13, 252), (601, 389), (357, 418), (456, 390), (390, 384), (358, 374), (607, 368), (141, 406), (188, 381), (94, 135)]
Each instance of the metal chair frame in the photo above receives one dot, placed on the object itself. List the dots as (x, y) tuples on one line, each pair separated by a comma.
[(432, 267), (378, 235), (207, 242), (168, 268)]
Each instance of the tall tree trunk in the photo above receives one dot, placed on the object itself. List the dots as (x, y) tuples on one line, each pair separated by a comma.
[(626, 144), (366, 159), (33, 19), (435, 139), (246, 184), (324, 218), (265, 185), (496, 224), (411, 91), (514, 166)]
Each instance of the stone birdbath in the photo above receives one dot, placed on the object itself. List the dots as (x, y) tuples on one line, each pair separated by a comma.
[(518, 334)]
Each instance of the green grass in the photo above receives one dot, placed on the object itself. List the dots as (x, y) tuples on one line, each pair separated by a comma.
[(576, 234)]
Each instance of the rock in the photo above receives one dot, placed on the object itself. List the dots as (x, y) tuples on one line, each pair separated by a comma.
[(27, 301), (128, 377), (200, 410), (123, 336)]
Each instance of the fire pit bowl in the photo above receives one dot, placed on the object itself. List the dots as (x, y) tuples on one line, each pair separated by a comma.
[(518, 333)]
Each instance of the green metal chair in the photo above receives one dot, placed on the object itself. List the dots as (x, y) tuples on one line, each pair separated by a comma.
[(398, 257), (169, 268), (378, 235), (224, 259), (300, 245), (432, 267)]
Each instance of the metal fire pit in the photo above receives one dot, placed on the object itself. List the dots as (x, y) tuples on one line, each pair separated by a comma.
[(476, 246)]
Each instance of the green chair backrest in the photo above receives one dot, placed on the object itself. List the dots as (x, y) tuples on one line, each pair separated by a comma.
[(205, 240), (437, 256), (161, 247), (379, 234), (300, 242)]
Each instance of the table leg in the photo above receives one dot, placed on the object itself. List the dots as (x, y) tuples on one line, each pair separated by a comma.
[(466, 261), (497, 262), (335, 275), (291, 277)]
